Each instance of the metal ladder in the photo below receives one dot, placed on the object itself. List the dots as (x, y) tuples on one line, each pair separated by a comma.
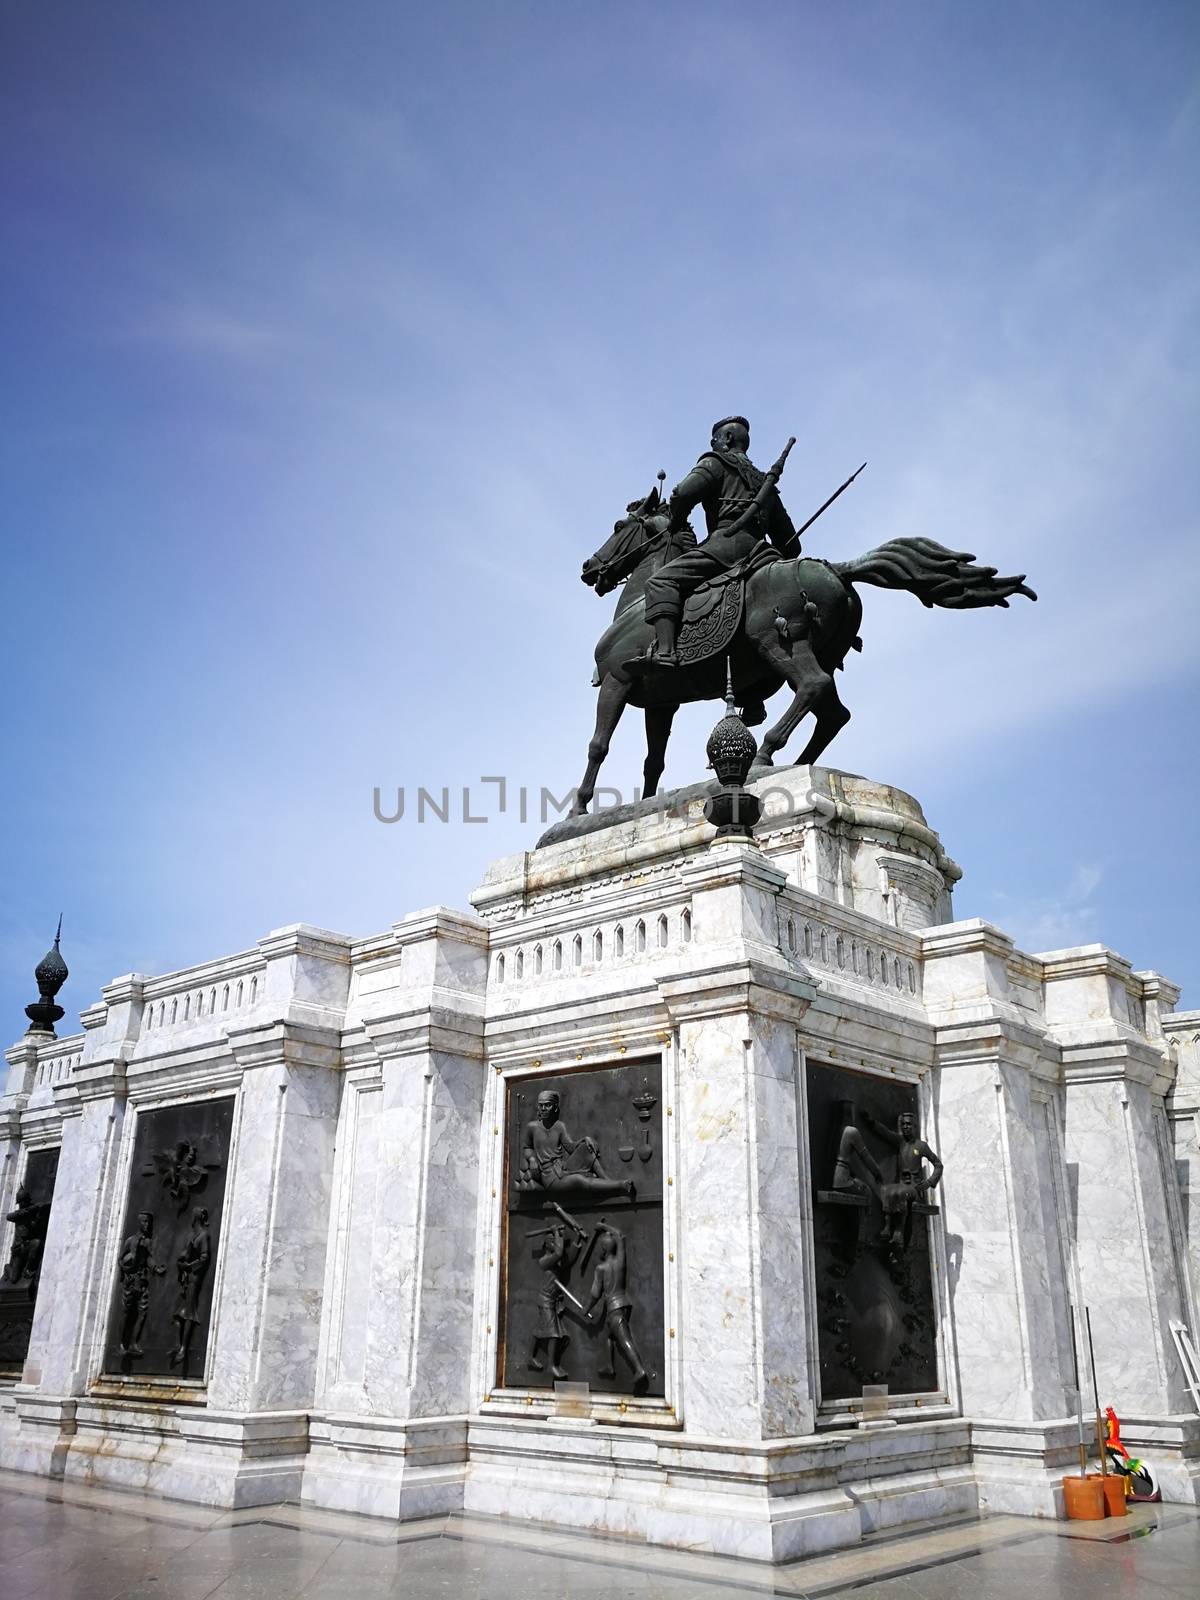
[(1188, 1359)]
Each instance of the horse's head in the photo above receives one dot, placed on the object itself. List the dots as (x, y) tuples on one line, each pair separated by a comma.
[(633, 537)]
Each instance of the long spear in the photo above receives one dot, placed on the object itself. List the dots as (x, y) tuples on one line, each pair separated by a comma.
[(827, 504)]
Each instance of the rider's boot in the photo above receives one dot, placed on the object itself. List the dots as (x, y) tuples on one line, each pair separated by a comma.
[(664, 642), (662, 652)]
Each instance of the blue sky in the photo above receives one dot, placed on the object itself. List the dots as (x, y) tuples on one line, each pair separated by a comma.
[(336, 337)]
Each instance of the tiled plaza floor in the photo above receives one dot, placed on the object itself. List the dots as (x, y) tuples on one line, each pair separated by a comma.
[(64, 1542)]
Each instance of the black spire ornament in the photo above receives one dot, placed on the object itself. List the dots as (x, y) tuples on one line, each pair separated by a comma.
[(51, 973), (731, 750)]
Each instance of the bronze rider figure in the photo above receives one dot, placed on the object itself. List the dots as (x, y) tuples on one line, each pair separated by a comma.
[(724, 481)]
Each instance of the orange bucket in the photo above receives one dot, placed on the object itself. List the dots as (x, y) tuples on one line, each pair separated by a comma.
[(1084, 1499), (1114, 1494)]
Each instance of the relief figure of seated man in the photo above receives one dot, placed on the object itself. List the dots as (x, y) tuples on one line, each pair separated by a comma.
[(552, 1160)]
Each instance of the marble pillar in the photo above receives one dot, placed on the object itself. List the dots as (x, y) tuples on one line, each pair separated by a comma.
[(72, 1303), (1005, 1211), (747, 1352), (267, 1301), (390, 1437), (1131, 1247)]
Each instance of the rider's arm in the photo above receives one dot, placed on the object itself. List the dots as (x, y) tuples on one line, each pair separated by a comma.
[(687, 494)]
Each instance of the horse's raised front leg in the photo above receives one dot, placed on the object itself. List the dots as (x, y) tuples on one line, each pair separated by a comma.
[(658, 731), (813, 690), (614, 692)]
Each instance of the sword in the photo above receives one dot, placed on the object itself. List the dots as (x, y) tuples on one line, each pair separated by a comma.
[(587, 1254), (827, 504), (559, 1284)]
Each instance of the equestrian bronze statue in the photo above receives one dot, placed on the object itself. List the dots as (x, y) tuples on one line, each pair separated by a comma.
[(747, 598)]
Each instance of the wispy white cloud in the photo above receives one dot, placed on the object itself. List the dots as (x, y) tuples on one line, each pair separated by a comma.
[(1055, 921), (203, 330)]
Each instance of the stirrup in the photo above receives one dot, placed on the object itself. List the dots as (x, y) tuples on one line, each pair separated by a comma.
[(644, 663)]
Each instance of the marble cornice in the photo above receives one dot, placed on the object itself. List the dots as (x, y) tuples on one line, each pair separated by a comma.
[(11, 1115), (450, 1029), (998, 1041), (1178, 1023), (26, 1050), (125, 990), (859, 1055), (549, 1012), (285, 1042), (1086, 961), (993, 1027), (434, 922), (41, 1127), (22, 1061), (971, 937), (1156, 987), (92, 1081), (859, 1036), (596, 1036), (731, 862), (1109, 1059), (740, 986), (183, 1057), (301, 940), (358, 1053), (159, 1080), (983, 1011), (441, 922)]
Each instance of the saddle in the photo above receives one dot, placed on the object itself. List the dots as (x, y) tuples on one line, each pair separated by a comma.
[(712, 612)]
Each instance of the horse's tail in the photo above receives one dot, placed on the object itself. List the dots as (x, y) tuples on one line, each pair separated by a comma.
[(937, 576)]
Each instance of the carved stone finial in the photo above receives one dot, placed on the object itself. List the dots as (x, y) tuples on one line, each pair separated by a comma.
[(731, 750), (51, 973)]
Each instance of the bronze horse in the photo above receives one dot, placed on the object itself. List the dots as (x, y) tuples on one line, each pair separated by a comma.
[(800, 618)]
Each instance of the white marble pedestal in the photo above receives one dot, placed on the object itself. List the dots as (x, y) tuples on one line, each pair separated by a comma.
[(354, 1358)]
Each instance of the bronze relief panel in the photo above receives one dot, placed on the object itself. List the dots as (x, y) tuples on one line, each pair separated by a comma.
[(582, 1279), (21, 1272), (874, 1187), (162, 1300)]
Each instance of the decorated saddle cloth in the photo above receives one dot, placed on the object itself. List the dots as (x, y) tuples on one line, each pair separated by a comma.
[(711, 613)]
